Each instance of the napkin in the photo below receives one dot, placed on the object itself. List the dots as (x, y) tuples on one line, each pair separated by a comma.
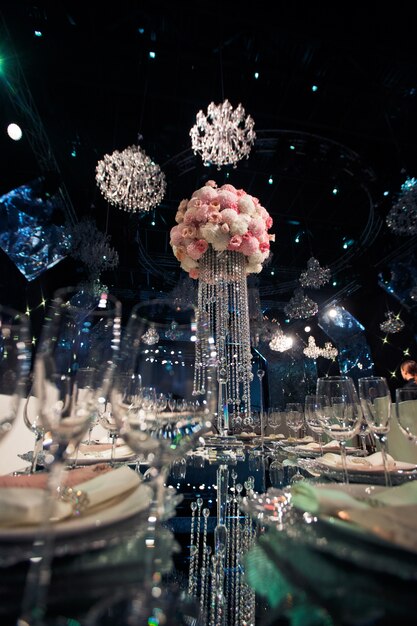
[(327, 500), (22, 506), (371, 462)]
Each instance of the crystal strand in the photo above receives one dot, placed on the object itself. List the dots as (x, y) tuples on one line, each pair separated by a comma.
[(192, 551), (232, 546), (228, 543), (203, 571), (206, 607), (239, 489), (213, 594)]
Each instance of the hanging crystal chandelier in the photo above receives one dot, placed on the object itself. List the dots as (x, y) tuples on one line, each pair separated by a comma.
[(279, 341), (329, 351), (393, 323), (224, 135), (315, 276), (312, 351), (300, 306), (151, 337), (131, 180), (402, 218)]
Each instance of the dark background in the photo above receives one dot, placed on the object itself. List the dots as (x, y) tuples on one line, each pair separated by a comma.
[(87, 87)]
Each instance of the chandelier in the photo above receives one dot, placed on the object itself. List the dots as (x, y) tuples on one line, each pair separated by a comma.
[(329, 351), (312, 351), (393, 323), (315, 276), (151, 337), (300, 306), (279, 341), (131, 180), (402, 218), (224, 135)]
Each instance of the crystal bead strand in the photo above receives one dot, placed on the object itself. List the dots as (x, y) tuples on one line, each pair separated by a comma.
[(203, 570), (193, 551), (238, 549)]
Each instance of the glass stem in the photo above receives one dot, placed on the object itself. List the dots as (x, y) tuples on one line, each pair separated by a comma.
[(35, 595), (113, 448), (344, 461), (36, 450), (383, 442)]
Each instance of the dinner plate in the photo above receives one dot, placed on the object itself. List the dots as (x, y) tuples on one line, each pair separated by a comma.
[(108, 513), (311, 452), (122, 453), (400, 467)]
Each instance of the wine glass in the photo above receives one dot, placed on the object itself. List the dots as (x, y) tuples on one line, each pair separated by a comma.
[(15, 364), (375, 398), (173, 351), (71, 370), (32, 421), (294, 417), (313, 407), (406, 410), (342, 412), (274, 419)]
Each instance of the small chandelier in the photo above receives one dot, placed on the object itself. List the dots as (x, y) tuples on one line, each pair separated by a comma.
[(402, 218), (315, 276), (151, 337), (131, 180), (280, 342), (224, 135), (393, 323), (312, 351), (300, 306), (329, 351)]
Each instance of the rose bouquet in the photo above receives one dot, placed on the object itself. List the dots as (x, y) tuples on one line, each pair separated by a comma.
[(225, 218)]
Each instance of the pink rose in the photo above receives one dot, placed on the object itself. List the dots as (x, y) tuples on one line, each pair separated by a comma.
[(201, 214), (225, 228), (227, 199), (264, 247), (194, 203), (189, 232), (196, 249), (235, 242), (268, 222), (211, 183), (249, 245), (228, 187), (179, 216), (194, 273), (190, 216), (176, 235), (214, 217), (182, 205), (180, 252)]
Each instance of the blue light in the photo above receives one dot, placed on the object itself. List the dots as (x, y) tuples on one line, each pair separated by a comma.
[(334, 283), (152, 54), (386, 193), (292, 147), (335, 191), (270, 180), (37, 33), (141, 31), (314, 88), (256, 75)]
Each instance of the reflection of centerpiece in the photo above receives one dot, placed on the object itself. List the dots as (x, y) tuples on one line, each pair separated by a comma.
[(221, 236)]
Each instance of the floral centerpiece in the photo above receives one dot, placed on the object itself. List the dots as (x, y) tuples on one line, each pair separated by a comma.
[(225, 218)]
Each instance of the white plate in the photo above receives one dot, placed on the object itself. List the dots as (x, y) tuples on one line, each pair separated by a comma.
[(86, 458), (400, 466), (137, 501)]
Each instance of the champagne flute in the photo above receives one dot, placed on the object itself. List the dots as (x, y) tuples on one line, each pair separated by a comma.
[(342, 412), (375, 399), (15, 363)]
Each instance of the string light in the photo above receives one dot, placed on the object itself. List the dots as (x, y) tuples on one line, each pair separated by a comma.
[(224, 135)]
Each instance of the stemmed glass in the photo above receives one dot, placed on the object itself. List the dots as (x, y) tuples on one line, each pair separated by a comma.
[(294, 417), (375, 398), (342, 412), (32, 421), (313, 407), (274, 419), (181, 363), (15, 364), (406, 410), (71, 369)]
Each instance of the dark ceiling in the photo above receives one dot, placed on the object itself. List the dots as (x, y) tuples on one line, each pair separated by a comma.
[(87, 87)]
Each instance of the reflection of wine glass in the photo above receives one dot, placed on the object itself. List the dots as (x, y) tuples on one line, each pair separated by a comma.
[(181, 363), (15, 362), (375, 398), (71, 371), (274, 419), (342, 413), (406, 410)]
